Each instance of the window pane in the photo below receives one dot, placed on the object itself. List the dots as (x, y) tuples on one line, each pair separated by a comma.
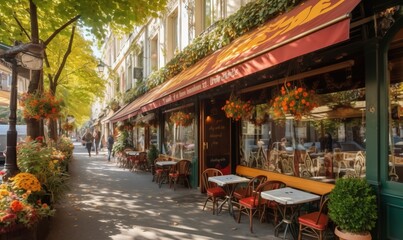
[(395, 58)]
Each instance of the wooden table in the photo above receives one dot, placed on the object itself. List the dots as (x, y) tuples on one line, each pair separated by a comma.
[(291, 199), (229, 182)]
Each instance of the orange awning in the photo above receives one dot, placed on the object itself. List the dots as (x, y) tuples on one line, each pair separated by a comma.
[(313, 25)]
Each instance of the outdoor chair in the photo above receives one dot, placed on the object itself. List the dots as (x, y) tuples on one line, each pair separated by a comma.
[(181, 171), (246, 191), (158, 172), (140, 162), (255, 204), (314, 224), (214, 192)]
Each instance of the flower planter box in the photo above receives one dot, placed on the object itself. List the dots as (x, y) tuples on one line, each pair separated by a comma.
[(37, 232)]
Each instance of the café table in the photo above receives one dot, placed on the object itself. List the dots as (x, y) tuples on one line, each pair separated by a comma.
[(229, 183), (289, 199), (165, 165), (132, 153)]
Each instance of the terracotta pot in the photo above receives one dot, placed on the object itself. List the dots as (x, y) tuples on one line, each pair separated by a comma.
[(352, 236)]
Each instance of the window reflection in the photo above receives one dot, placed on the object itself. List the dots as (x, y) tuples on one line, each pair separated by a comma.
[(179, 134), (395, 60), (326, 144)]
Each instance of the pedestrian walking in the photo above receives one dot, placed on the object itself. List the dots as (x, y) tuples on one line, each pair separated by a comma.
[(97, 138), (111, 141), (88, 139)]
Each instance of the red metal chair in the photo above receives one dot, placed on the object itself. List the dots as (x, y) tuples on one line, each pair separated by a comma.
[(180, 171), (314, 224), (214, 192), (246, 191), (255, 203)]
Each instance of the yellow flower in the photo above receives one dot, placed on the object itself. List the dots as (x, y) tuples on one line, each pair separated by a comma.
[(27, 182)]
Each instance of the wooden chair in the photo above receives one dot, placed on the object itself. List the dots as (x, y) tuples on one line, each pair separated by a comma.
[(214, 192), (139, 162), (246, 191), (314, 224), (158, 172), (256, 204), (271, 207), (180, 171)]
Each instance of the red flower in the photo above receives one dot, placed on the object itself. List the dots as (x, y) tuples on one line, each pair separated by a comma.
[(16, 206)]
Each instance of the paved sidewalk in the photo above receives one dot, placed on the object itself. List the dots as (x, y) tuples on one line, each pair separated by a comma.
[(107, 202)]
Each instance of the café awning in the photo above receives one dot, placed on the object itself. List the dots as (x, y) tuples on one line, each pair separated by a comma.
[(313, 25)]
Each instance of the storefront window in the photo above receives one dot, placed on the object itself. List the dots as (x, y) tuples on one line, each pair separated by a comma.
[(179, 133), (395, 58), (324, 143)]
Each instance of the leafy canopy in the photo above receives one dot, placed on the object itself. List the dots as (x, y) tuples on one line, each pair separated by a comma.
[(120, 15)]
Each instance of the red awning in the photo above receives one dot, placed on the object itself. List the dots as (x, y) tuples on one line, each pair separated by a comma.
[(313, 25)]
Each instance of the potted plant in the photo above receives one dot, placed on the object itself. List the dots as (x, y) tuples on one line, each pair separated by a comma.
[(353, 208), (151, 156)]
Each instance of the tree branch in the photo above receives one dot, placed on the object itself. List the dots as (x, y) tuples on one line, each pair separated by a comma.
[(63, 63), (22, 28), (60, 29)]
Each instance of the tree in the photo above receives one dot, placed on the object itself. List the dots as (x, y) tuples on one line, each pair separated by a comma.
[(40, 21)]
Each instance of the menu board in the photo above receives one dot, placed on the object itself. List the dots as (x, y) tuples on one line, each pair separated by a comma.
[(218, 142)]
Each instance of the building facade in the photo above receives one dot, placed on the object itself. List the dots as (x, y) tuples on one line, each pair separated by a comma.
[(309, 96)]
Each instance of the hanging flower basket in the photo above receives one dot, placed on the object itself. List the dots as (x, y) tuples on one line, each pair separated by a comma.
[(68, 127), (261, 114), (181, 118), (237, 109), (40, 105), (293, 100)]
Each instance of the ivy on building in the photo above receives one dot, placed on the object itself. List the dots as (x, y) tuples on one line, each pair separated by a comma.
[(248, 17)]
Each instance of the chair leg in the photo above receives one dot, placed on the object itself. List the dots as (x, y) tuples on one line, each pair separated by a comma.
[(205, 202), (251, 220), (300, 232), (240, 213)]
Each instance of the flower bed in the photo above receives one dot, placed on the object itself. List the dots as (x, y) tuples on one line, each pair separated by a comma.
[(20, 203)]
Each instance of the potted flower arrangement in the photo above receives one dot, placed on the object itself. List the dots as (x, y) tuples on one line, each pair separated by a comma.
[(19, 207), (40, 160), (237, 109), (40, 105), (353, 208), (261, 114), (68, 127), (297, 101), (181, 118)]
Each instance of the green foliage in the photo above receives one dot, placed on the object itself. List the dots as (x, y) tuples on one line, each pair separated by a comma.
[(352, 205), (119, 15), (122, 142), (35, 158), (225, 31), (152, 154)]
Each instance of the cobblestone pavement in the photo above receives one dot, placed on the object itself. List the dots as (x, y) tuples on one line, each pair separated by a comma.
[(108, 202)]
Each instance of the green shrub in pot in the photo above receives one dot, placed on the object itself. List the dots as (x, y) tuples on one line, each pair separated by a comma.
[(353, 207)]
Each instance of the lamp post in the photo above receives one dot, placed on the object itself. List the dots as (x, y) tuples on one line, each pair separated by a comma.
[(101, 67), (28, 56)]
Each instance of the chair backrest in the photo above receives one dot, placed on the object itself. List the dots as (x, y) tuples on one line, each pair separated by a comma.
[(183, 167), (323, 208), (209, 172), (254, 183), (143, 156), (268, 185)]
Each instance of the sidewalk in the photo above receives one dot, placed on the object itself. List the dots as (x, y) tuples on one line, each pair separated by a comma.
[(107, 202)]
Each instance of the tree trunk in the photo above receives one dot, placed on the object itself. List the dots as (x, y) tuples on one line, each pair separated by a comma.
[(34, 127)]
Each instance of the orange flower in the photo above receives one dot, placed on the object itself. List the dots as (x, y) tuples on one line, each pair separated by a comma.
[(293, 100), (16, 206)]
